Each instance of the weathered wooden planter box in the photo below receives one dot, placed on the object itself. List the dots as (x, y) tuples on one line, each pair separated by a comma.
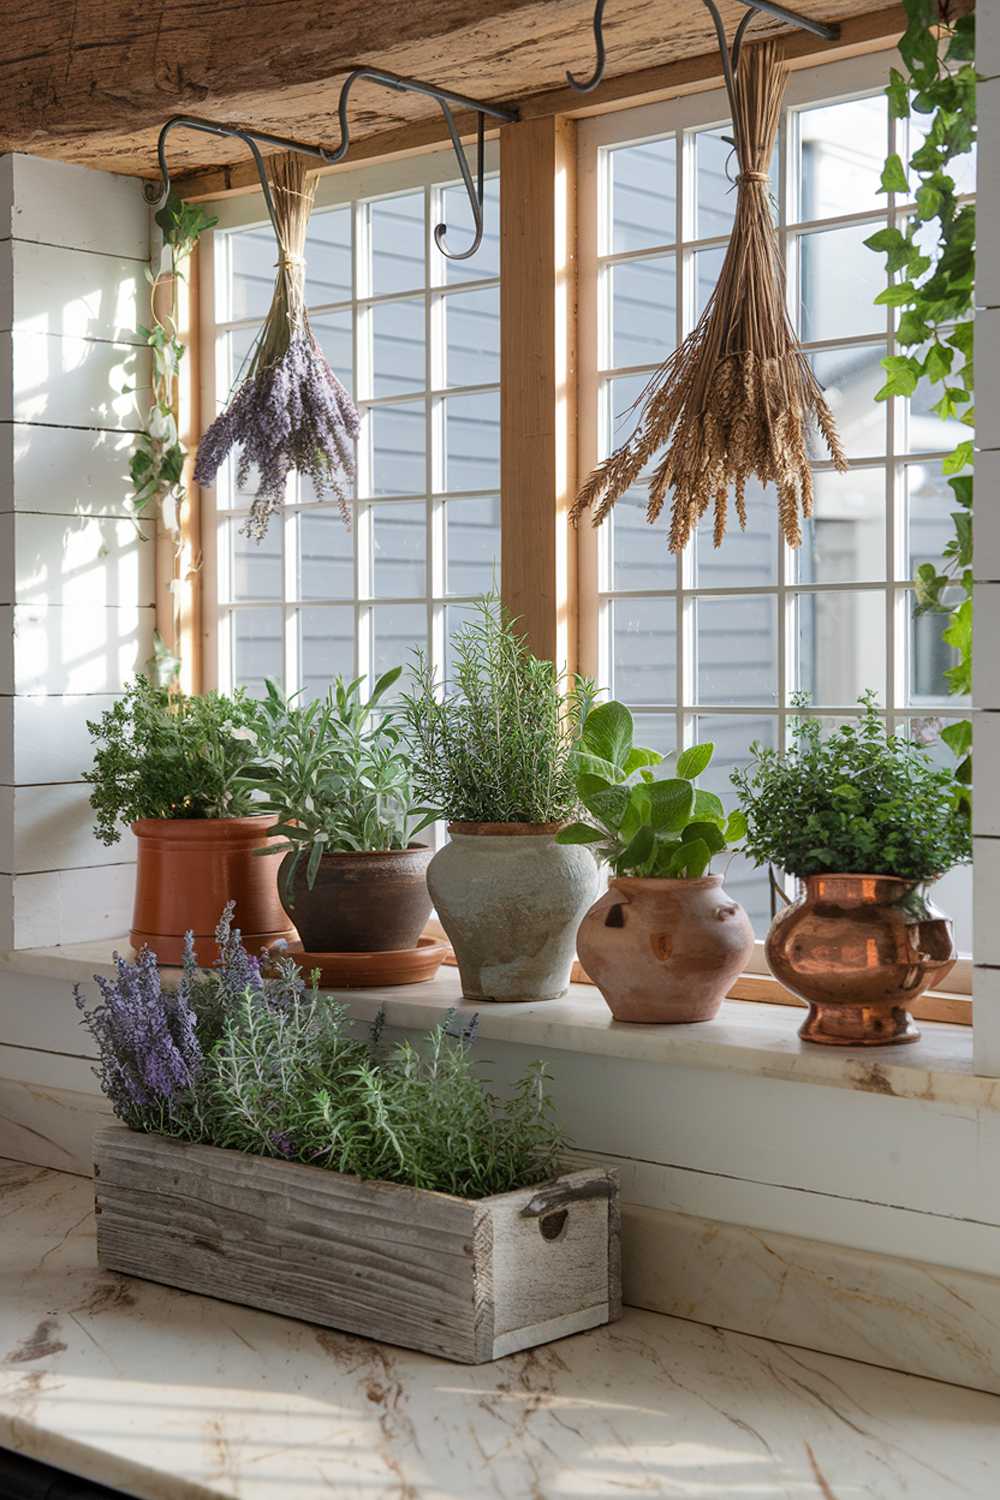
[(467, 1279)]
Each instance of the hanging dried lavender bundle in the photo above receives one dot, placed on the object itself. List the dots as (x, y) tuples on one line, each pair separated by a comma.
[(291, 411), (737, 398)]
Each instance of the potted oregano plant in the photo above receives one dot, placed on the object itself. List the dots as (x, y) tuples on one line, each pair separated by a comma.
[(493, 755), (865, 821), (322, 1175), (336, 774), (665, 942), (172, 767)]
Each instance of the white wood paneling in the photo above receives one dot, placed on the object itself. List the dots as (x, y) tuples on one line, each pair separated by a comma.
[(81, 560), (78, 207), (72, 293), (986, 803), (986, 1016), (986, 662), (988, 40), (72, 382), (64, 471), (71, 906), (78, 649), (45, 739), (986, 901), (986, 559), (50, 828)]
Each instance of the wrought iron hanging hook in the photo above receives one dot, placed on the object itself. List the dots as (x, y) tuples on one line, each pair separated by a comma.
[(729, 61), (157, 193)]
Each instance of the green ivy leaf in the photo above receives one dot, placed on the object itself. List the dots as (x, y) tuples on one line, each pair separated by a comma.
[(893, 178)]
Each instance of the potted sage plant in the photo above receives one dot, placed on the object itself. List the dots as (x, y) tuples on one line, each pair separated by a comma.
[(665, 942)]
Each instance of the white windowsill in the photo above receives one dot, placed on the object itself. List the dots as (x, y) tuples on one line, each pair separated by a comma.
[(747, 1037)]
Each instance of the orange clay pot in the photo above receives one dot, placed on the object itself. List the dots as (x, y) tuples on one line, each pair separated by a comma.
[(188, 868)]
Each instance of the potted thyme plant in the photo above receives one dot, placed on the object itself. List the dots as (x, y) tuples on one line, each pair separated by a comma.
[(173, 768), (865, 821), (318, 1174), (336, 775), (493, 755), (665, 942)]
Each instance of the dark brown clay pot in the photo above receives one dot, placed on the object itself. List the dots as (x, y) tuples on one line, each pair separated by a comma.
[(859, 949), (186, 871), (665, 950), (362, 903)]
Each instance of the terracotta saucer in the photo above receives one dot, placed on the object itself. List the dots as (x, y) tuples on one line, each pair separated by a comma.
[(364, 971)]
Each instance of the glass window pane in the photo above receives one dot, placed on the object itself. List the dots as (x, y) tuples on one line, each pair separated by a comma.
[(928, 656), (397, 244), (839, 279), (842, 149), (643, 295), (455, 616), (472, 337), (472, 545), (736, 649), (326, 647), (621, 401), (715, 175), (911, 135), (850, 378), (839, 646), (335, 336), (328, 257), (643, 193), (398, 347), (326, 556), (929, 504), (397, 630), (398, 448), (472, 442), (746, 559), (732, 736), (251, 283), (707, 266), (257, 565), (458, 217), (953, 892), (258, 648), (923, 431), (644, 650), (844, 542), (656, 732), (640, 559), (399, 551)]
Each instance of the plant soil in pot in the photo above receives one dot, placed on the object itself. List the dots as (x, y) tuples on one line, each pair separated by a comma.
[(665, 950), (865, 820), (510, 899), (370, 902), (666, 942)]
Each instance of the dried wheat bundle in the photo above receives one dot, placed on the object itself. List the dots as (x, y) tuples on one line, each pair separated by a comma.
[(290, 411), (736, 399)]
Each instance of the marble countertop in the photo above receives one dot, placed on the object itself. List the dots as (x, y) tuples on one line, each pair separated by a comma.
[(169, 1396)]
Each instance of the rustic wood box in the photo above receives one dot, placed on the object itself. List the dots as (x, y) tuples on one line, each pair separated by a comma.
[(467, 1279)]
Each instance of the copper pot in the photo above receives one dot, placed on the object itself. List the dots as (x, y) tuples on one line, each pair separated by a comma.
[(858, 949)]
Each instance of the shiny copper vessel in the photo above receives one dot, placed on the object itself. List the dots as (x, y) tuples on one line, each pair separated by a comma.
[(859, 949)]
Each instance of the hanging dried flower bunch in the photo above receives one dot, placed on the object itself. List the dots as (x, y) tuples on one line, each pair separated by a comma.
[(736, 399), (290, 411)]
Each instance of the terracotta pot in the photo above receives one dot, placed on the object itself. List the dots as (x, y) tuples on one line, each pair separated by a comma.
[(362, 903), (665, 950), (510, 899), (858, 949), (188, 868)]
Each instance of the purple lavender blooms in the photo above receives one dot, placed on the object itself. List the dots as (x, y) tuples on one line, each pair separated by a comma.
[(291, 414), (146, 1039)]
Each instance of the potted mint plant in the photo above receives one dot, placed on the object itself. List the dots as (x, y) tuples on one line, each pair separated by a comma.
[(666, 942)]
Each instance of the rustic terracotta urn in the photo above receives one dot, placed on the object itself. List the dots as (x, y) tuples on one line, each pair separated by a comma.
[(510, 899), (186, 871), (859, 949), (665, 950), (370, 902)]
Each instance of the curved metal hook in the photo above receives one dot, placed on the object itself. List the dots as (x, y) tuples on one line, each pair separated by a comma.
[(475, 190), (601, 55), (156, 196)]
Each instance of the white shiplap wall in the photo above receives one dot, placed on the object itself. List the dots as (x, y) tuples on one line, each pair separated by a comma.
[(76, 579)]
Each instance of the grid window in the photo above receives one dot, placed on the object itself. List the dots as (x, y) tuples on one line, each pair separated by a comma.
[(417, 344), (714, 645)]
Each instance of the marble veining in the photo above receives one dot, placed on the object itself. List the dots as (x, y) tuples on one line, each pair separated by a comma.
[(175, 1397)]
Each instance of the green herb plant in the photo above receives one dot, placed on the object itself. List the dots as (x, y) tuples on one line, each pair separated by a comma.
[(859, 801), (337, 772), (161, 754), (496, 745), (933, 261), (643, 826)]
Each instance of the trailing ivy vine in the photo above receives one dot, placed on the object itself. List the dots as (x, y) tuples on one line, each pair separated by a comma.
[(932, 261)]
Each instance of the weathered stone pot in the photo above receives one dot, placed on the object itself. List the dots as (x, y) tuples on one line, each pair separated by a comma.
[(665, 950), (859, 949), (373, 902), (510, 899)]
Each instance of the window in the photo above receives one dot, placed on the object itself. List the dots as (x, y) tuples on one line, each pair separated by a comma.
[(713, 645), (415, 338)]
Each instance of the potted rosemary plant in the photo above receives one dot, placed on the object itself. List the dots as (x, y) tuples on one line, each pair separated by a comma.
[(173, 768), (665, 942), (493, 755), (336, 775), (318, 1174), (866, 822)]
